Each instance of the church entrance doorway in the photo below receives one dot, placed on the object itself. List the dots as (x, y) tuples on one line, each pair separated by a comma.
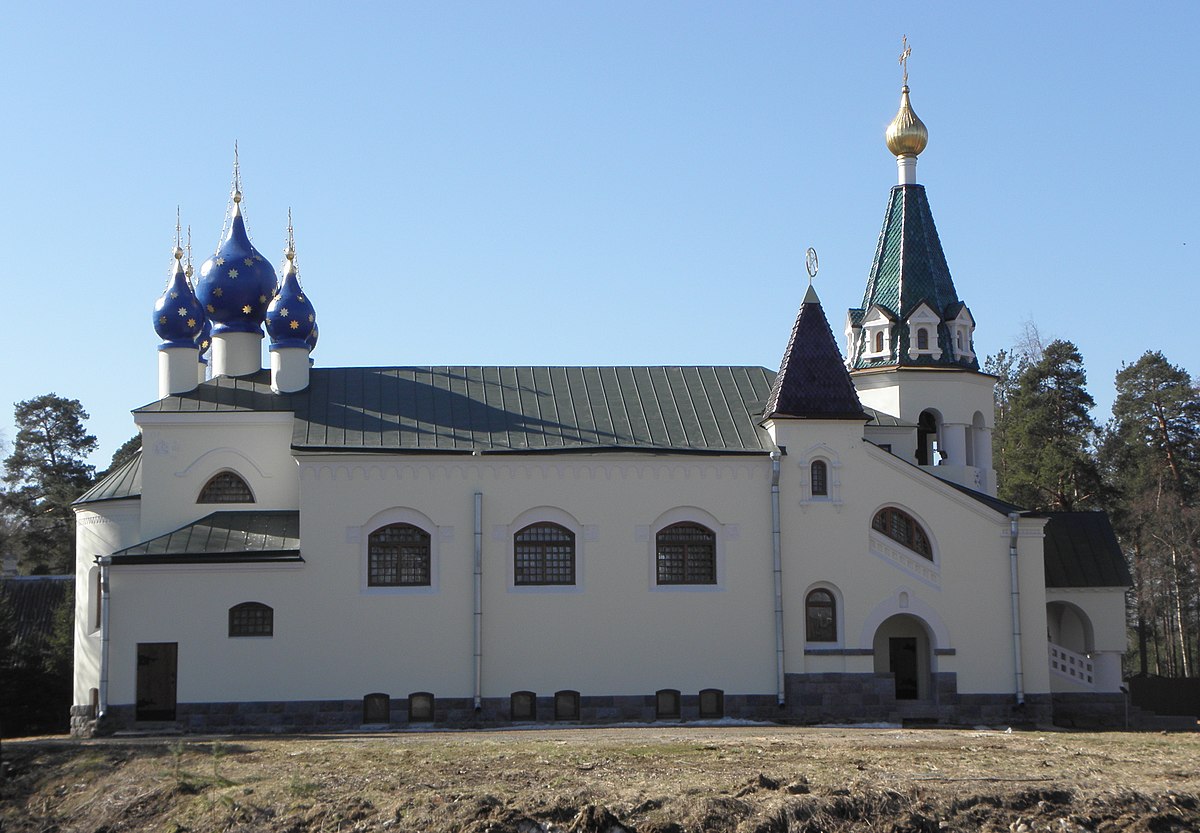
[(902, 659), (902, 649), (156, 675)]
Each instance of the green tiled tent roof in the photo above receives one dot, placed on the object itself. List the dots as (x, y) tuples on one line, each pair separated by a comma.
[(812, 382), (507, 409), (125, 481), (909, 268), (222, 538)]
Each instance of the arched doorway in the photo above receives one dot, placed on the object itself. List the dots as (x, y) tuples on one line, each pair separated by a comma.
[(902, 649), (1072, 643)]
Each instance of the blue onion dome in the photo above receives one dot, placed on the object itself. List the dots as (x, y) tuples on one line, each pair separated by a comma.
[(204, 340), (178, 315), (236, 283), (291, 319)]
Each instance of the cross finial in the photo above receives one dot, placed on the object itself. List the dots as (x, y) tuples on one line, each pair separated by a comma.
[(178, 239), (188, 270), (290, 251), (905, 51), (810, 264), (237, 174)]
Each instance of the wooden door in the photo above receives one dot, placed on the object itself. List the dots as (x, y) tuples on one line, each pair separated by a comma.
[(156, 673)]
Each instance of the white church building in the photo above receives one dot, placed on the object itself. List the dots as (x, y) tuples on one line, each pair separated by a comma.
[(303, 548)]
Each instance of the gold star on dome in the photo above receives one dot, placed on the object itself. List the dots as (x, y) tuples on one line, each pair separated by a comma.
[(203, 345), (246, 309), (262, 299), (174, 295), (233, 273), (182, 311), (258, 257), (210, 308), (162, 319), (218, 292), (220, 261), (284, 312), (311, 319), (249, 261), (301, 297), (191, 322), (295, 325)]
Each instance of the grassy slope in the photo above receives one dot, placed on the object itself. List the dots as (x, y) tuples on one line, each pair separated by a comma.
[(654, 780)]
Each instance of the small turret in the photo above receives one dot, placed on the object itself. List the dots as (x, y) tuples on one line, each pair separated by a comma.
[(292, 325), (178, 319), (235, 286)]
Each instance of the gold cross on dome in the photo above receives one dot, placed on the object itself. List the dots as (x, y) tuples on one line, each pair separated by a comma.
[(905, 51)]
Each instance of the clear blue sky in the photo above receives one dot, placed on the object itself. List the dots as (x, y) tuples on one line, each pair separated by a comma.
[(588, 183)]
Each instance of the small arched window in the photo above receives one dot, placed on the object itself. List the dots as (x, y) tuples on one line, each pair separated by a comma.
[(959, 340), (226, 487), (903, 528), (398, 556), (879, 342), (544, 553), (820, 615), (819, 478), (686, 554), (922, 339), (251, 619)]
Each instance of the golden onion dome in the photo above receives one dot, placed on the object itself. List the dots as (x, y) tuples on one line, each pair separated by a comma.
[(906, 135)]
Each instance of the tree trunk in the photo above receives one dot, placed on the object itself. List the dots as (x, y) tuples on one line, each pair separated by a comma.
[(1180, 624)]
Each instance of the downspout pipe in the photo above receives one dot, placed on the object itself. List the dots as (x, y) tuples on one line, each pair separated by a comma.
[(1019, 681), (478, 603), (777, 558), (105, 561)]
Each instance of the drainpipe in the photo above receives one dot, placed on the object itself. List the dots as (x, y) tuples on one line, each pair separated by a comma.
[(478, 611), (776, 554), (105, 561), (1013, 519)]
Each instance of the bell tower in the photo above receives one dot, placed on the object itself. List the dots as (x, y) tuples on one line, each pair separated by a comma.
[(910, 345)]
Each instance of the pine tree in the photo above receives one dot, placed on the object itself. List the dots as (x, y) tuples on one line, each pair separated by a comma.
[(46, 472), (1151, 456), (1049, 435)]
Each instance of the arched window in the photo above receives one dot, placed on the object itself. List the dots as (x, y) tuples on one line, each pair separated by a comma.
[(226, 487), (251, 619), (686, 554), (922, 339), (544, 553), (879, 342), (820, 612), (819, 478), (398, 556), (959, 340), (903, 528)]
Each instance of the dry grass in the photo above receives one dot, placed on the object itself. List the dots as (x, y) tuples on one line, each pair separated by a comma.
[(653, 780)]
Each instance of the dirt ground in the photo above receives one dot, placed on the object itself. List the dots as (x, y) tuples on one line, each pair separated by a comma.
[(761, 779)]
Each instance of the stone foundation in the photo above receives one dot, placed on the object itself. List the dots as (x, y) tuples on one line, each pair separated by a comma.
[(1088, 710), (811, 699), (871, 698)]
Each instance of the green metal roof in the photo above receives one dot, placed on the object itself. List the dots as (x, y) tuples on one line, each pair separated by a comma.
[(123, 482), (1081, 550), (507, 409), (910, 268), (222, 538)]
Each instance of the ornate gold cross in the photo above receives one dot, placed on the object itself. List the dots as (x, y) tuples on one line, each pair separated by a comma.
[(906, 50)]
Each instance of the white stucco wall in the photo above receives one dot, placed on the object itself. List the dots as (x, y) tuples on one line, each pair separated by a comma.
[(100, 528), (962, 596)]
